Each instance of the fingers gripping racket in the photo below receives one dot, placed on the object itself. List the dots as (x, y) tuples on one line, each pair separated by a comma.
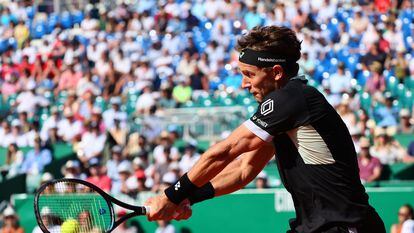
[(77, 206)]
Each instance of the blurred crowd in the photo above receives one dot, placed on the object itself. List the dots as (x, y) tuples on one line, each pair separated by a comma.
[(82, 77)]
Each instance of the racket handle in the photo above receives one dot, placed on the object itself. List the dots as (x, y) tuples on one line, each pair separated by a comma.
[(147, 210)]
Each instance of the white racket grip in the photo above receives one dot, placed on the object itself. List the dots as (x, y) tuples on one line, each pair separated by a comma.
[(147, 210)]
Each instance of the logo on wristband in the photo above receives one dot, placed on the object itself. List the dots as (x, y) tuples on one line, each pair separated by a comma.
[(177, 186)]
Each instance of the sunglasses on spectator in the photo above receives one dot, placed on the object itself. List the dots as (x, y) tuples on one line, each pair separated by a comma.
[(402, 214)]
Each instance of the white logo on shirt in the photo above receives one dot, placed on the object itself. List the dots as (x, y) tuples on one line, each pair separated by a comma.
[(267, 107)]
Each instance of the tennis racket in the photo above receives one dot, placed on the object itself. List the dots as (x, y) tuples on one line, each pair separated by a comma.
[(77, 206)]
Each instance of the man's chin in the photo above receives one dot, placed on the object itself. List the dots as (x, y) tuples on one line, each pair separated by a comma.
[(257, 98)]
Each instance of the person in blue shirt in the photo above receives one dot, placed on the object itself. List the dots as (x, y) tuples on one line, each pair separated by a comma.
[(387, 115), (36, 159)]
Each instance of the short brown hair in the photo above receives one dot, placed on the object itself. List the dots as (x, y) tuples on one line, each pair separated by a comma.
[(279, 40)]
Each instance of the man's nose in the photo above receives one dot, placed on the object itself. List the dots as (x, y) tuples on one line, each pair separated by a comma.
[(245, 83)]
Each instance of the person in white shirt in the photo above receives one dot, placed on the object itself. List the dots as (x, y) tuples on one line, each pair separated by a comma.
[(340, 81), (5, 130), (145, 101), (50, 122), (16, 135), (408, 226), (122, 63), (189, 158), (109, 115), (48, 219), (159, 150), (27, 101), (164, 227), (92, 143), (69, 127)]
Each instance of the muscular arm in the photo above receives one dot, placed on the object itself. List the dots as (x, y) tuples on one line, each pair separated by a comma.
[(242, 171), (215, 159)]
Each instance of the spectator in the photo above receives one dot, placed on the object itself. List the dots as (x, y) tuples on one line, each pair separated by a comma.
[(14, 160), (49, 220), (114, 112), (118, 133), (72, 169), (166, 101), (16, 135), (11, 86), (36, 159), (409, 157), (164, 227), (375, 85), (356, 136), (346, 114), (28, 101), (97, 175), (307, 65), (340, 82), (11, 223), (182, 92), (50, 123), (92, 143), (145, 101), (86, 106), (137, 144), (385, 148), (369, 167), (113, 163), (71, 104), (261, 181), (189, 158), (404, 213), (373, 55), (151, 125), (405, 126), (21, 33), (123, 228), (387, 115), (159, 150), (127, 183), (69, 127)]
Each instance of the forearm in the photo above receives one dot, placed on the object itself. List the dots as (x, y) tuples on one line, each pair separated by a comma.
[(241, 172), (215, 159), (236, 175), (231, 179), (210, 164)]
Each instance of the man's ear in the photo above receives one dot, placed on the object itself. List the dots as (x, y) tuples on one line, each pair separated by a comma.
[(278, 72)]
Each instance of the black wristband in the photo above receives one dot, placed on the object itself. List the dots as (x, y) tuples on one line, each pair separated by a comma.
[(180, 190), (201, 194)]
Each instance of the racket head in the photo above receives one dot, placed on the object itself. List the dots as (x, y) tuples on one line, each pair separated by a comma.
[(73, 206)]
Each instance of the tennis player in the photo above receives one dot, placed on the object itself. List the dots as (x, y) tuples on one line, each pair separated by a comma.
[(315, 155)]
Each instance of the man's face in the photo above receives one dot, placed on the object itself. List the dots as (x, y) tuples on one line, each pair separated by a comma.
[(257, 80)]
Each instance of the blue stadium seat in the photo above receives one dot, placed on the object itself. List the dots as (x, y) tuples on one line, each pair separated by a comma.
[(392, 84), (407, 99), (52, 21), (30, 11), (365, 101), (12, 43), (77, 17), (39, 30), (66, 20)]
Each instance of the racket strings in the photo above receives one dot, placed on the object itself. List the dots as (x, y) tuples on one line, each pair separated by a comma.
[(69, 207)]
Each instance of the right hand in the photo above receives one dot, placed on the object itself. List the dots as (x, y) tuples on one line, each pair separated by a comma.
[(184, 211)]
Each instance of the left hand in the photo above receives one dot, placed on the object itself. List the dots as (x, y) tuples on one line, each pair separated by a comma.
[(161, 208)]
